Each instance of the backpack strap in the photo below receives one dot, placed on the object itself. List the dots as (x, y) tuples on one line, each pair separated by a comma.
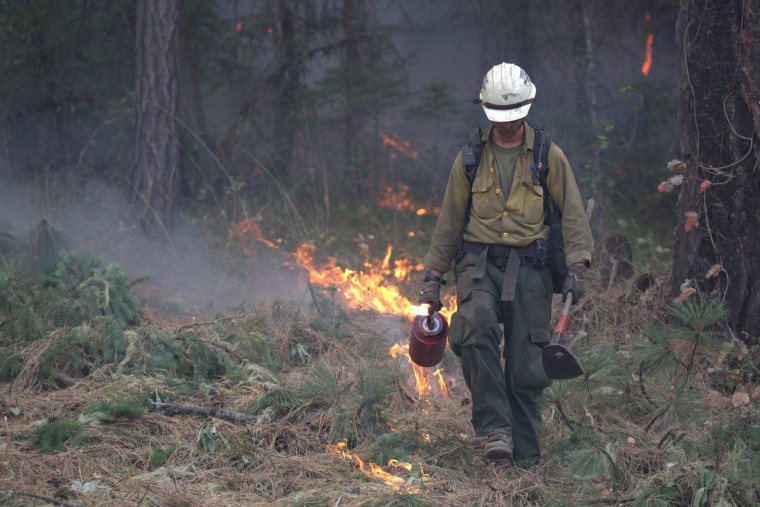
[(540, 167), (471, 154)]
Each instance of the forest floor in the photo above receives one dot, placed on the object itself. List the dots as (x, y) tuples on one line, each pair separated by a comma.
[(317, 404)]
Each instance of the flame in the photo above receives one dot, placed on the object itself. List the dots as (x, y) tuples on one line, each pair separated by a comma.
[(398, 145), (421, 376), (402, 201), (647, 65), (441, 383), (376, 472), (372, 290), (249, 229), (360, 290)]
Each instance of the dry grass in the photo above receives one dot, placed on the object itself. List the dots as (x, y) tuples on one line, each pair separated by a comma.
[(284, 459)]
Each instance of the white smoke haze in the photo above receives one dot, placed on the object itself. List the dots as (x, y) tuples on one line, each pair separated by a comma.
[(188, 270)]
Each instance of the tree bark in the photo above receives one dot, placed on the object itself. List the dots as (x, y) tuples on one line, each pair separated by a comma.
[(351, 65), (155, 176), (288, 82), (588, 107), (719, 116)]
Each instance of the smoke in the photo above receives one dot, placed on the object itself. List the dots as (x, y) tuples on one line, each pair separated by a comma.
[(188, 270)]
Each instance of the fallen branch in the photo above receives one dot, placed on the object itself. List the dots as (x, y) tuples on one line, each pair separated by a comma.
[(65, 380), (171, 409), (207, 322), (43, 498), (625, 499)]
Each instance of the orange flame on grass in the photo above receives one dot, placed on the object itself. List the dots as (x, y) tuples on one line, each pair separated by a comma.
[(422, 379), (373, 290), (361, 290), (376, 472)]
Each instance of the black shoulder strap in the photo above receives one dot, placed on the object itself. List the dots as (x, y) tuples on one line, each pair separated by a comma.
[(540, 170), (471, 152), (540, 167)]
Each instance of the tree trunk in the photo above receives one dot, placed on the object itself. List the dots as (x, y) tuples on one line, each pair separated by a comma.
[(351, 66), (587, 106), (719, 116), (155, 176), (287, 81)]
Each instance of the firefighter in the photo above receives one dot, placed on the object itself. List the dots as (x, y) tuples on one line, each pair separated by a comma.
[(499, 278)]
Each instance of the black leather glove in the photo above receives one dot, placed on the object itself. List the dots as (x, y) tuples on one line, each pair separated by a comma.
[(575, 281), (430, 292)]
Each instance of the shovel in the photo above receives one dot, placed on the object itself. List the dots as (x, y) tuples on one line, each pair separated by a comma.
[(558, 362)]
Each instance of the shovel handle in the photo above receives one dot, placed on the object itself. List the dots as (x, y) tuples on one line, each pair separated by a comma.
[(564, 318)]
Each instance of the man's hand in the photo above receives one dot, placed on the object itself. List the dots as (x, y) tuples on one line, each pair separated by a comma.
[(430, 292), (575, 282)]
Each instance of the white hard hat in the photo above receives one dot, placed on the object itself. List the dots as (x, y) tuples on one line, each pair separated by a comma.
[(507, 93)]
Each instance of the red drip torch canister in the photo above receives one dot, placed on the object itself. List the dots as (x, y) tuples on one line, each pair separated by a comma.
[(428, 340)]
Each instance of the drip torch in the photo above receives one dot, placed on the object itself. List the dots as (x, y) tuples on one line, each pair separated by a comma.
[(427, 342)]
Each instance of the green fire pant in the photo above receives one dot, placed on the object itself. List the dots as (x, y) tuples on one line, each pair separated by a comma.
[(506, 398)]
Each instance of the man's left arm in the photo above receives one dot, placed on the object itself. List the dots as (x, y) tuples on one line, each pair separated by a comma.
[(576, 230)]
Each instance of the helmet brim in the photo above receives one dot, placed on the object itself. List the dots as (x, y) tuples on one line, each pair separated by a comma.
[(502, 115)]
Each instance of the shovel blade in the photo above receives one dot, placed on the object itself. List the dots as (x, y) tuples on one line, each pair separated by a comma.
[(559, 363)]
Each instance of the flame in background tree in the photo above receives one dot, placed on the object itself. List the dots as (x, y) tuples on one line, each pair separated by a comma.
[(247, 230), (401, 201), (647, 65), (399, 145)]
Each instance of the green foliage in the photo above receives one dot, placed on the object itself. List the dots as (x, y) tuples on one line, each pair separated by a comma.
[(254, 341), (321, 385), (59, 83), (120, 409), (52, 436), (282, 400), (10, 366), (160, 456), (662, 495), (737, 366), (398, 500), (78, 289), (209, 438), (162, 351), (400, 446), (375, 382), (201, 361)]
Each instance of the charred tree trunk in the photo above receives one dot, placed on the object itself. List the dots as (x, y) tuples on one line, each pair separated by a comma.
[(719, 116), (155, 176)]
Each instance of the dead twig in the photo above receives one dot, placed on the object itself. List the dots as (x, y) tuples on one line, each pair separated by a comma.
[(43, 498), (616, 500), (314, 297), (171, 409), (207, 322)]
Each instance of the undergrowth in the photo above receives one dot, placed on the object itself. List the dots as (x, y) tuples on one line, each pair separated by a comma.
[(666, 412)]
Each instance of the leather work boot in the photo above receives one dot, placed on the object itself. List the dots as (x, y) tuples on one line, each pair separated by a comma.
[(499, 446)]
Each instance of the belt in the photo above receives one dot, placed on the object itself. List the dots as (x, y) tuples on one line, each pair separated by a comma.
[(500, 255)]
